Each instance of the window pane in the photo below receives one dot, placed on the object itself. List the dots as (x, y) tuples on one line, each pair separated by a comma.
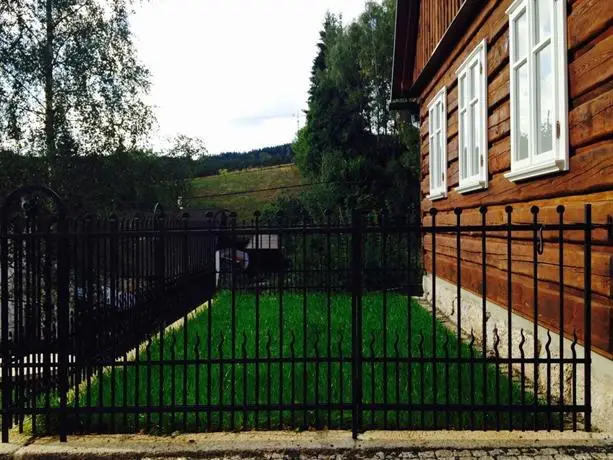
[(433, 160), (464, 146), (521, 36), (543, 19), (475, 139), (435, 112), (544, 98), (522, 113), (474, 71), (440, 158)]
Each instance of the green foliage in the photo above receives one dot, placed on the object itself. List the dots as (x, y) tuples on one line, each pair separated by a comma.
[(69, 68), (351, 141), (72, 109), (126, 180)]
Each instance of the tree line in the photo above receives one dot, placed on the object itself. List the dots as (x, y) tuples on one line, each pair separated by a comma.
[(74, 116), (233, 161), (362, 154)]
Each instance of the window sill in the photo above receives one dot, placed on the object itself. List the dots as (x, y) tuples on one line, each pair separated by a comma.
[(437, 196), (471, 186), (536, 170)]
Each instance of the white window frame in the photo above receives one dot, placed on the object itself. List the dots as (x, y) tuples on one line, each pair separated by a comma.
[(557, 159), (477, 102), (437, 136)]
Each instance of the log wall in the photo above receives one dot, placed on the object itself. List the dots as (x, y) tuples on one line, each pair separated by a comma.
[(589, 179)]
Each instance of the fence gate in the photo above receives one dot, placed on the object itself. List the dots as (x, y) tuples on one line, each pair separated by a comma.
[(166, 324)]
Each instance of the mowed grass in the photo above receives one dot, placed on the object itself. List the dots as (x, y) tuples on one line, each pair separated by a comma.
[(315, 327), (238, 181)]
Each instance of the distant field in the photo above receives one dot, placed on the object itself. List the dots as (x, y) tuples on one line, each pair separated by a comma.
[(244, 204)]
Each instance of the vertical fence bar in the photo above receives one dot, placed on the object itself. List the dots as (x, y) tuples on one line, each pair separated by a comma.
[(185, 275), (458, 213), (509, 211), (160, 300), (383, 225), (483, 211), (4, 293), (257, 316), (281, 281), (413, 216), (560, 210), (356, 329), (114, 309), (233, 313), (537, 248), (329, 311), (433, 213), (587, 317), (20, 335), (63, 291), (31, 329), (303, 235)]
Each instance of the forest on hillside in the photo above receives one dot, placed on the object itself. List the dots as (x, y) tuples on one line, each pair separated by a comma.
[(352, 146), (234, 161), (73, 116)]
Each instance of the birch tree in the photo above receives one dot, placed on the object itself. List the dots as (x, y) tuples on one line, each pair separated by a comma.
[(68, 69)]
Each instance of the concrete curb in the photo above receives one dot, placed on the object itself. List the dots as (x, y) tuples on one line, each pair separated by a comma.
[(277, 444)]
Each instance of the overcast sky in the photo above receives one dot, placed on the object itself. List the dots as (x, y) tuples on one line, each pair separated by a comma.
[(233, 72)]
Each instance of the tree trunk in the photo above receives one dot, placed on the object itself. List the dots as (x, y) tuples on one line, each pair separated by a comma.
[(48, 74)]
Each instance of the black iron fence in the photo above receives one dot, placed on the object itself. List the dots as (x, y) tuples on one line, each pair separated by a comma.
[(164, 324)]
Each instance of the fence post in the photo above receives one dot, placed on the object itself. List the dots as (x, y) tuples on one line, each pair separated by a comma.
[(63, 292), (4, 293), (356, 329), (160, 259), (587, 315)]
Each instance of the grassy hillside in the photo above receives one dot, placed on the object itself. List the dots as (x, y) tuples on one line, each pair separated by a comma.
[(244, 204)]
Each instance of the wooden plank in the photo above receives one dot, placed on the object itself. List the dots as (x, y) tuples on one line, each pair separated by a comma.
[(591, 68), (522, 259), (499, 156), (452, 124), (453, 177), (602, 207), (523, 299), (452, 149), (587, 19), (500, 114), (452, 98), (498, 51), (499, 123), (591, 170), (591, 121), (498, 90)]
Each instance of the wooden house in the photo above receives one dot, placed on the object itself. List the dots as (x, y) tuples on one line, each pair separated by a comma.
[(514, 102)]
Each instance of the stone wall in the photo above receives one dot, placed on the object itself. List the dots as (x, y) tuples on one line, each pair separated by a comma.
[(471, 314)]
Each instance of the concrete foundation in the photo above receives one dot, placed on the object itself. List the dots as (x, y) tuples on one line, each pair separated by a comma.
[(545, 344)]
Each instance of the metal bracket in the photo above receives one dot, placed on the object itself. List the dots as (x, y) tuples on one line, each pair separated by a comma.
[(540, 242)]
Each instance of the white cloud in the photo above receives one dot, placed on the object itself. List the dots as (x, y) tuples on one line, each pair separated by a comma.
[(234, 72)]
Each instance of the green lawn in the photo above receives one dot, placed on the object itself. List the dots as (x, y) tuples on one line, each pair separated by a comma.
[(275, 382), (238, 181)]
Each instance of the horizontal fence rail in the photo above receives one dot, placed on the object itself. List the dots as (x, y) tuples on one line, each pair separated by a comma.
[(164, 323)]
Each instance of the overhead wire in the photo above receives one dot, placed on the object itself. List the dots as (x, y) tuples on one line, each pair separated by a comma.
[(269, 189)]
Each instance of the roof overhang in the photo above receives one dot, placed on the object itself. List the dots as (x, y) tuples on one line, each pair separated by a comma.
[(406, 87), (405, 39)]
